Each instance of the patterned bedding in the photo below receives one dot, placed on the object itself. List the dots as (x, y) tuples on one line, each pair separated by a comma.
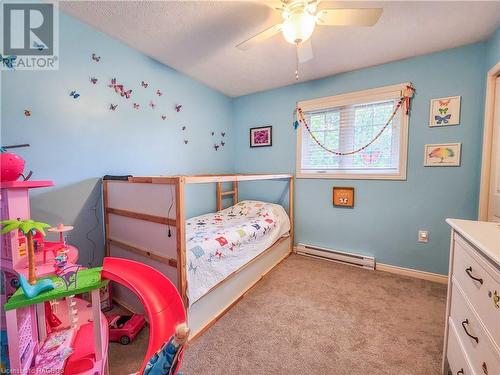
[(220, 243)]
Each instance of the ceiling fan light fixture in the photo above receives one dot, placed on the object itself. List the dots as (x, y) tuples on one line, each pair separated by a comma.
[(298, 27)]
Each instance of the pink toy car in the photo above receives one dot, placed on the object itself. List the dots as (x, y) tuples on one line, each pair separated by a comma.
[(124, 328)]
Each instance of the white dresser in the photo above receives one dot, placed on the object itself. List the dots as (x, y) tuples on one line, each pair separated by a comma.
[(472, 333)]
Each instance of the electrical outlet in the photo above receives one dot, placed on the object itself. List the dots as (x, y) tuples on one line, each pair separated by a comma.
[(423, 236)]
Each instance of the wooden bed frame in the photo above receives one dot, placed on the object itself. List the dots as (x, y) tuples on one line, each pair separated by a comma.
[(145, 221)]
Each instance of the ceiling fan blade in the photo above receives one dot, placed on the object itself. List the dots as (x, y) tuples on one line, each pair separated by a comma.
[(266, 34), (304, 51), (275, 4), (349, 17)]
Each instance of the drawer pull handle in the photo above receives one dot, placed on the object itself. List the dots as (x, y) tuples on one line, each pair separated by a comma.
[(460, 372), (495, 297), (485, 368), (468, 271), (464, 323)]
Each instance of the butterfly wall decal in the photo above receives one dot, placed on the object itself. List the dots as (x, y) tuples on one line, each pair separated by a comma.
[(212, 133), (27, 112), (114, 85), (222, 143), (93, 80), (178, 107), (216, 147), (163, 117), (113, 106), (186, 141), (126, 94), (223, 134), (74, 94), (136, 106), (8, 61), (159, 93), (151, 104), (444, 103), (96, 58), (183, 128), (442, 120), (119, 89), (144, 84), (39, 46)]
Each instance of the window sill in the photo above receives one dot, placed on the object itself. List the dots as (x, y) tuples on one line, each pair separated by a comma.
[(351, 176)]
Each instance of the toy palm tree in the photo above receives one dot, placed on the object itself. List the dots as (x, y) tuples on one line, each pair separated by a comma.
[(29, 228)]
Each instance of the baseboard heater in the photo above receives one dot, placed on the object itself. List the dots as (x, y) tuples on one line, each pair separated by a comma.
[(336, 256)]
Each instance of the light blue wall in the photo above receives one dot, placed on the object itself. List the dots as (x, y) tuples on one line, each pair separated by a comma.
[(388, 214), (74, 142), (493, 50)]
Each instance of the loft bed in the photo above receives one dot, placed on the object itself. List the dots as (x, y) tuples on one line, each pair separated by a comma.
[(145, 220)]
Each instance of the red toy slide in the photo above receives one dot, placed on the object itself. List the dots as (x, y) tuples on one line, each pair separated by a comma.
[(160, 298)]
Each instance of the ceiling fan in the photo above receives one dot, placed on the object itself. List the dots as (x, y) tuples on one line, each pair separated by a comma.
[(300, 18)]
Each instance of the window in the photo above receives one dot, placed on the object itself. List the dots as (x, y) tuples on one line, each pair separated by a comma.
[(348, 122)]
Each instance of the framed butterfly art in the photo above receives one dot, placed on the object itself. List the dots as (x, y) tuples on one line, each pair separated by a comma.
[(445, 111), (343, 196)]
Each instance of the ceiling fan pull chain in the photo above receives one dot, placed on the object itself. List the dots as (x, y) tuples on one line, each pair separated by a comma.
[(296, 61)]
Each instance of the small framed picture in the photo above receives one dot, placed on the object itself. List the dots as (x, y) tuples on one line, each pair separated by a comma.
[(442, 155), (445, 111), (261, 137), (343, 196)]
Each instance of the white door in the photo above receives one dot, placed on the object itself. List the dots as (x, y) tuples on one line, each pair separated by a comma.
[(494, 198)]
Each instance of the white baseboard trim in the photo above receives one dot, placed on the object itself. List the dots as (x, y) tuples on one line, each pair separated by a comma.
[(436, 277)]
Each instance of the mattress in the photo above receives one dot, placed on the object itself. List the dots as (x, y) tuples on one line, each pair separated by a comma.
[(222, 242)]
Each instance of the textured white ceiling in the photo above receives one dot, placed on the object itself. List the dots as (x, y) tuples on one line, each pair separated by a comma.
[(198, 38)]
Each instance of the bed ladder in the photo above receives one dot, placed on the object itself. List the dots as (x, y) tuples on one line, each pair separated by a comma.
[(222, 194)]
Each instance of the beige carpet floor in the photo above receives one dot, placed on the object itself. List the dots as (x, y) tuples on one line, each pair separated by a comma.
[(310, 316)]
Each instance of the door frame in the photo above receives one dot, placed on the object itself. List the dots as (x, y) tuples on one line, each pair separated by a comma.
[(489, 112)]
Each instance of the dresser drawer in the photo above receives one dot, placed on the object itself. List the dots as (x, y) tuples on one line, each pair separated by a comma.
[(457, 359), (482, 353), (480, 283)]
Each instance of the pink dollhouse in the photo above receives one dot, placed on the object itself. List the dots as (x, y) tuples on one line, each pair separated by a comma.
[(50, 332), (15, 204), (55, 327)]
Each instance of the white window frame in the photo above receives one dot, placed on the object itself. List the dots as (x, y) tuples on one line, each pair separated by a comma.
[(358, 97)]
